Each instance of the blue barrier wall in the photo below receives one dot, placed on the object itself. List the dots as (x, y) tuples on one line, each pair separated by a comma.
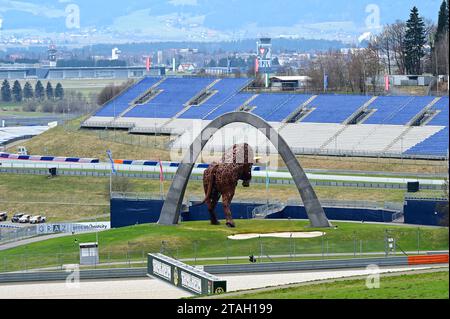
[(127, 212), (423, 212)]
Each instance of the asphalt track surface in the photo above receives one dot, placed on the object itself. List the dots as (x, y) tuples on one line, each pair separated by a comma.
[(150, 288), (173, 170)]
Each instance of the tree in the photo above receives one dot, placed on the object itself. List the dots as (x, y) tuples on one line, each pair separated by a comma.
[(6, 91), (49, 91), (415, 40), (59, 91), (17, 91), (28, 91), (39, 91), (110, 91), (442, 27)]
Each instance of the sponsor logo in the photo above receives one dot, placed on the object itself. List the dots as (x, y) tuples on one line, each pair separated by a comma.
[(162, 270), (191, 282)]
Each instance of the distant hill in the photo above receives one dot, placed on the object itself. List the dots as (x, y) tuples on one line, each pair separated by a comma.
[(208, 19)]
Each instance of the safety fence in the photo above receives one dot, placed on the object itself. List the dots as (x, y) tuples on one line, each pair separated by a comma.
[(197, 177), (242, 249)]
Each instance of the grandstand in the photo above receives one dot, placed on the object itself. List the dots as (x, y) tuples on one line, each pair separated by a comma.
[(409, 126)]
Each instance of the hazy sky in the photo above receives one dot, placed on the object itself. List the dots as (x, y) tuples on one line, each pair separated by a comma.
[(209, 18)]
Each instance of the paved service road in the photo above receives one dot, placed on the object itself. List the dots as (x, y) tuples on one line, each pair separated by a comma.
[(149, 288)]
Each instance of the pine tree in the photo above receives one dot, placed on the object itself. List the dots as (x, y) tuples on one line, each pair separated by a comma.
[(6, 91), (28, 91), (442, 26), (59, 91), (17, 92), (39, 91), (415, 40), (49, 91)]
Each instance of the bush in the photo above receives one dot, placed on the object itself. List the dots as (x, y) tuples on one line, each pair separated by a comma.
[(48, 107), (30, 107)]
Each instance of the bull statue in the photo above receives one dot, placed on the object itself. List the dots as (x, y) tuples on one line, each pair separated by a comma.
[(221, 179)]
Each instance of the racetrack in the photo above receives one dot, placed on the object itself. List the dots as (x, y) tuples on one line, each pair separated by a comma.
[(6, 163), (149, 288)]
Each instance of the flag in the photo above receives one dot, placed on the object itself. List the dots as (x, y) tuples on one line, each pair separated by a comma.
[(386, 83), (161, 173), (148, 64), (113, 169)]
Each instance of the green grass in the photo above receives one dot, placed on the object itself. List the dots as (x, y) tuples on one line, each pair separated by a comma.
[(410, 286), (201, 240), (69, 198)]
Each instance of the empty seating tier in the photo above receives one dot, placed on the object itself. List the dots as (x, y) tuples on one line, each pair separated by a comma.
[(120, 103), (397, 110), (334, 108), (225, 89), (176, 92)]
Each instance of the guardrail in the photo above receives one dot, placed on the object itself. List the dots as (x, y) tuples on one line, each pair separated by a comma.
[(305, 265), (63, 275), (170, 176), (210, 270)]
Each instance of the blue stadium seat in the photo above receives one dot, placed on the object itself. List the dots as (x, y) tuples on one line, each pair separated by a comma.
[(176, 93), (226, 88), (434, 145), (118, 105), (231, 105), (397, 110), (441, 119), (334, 108)]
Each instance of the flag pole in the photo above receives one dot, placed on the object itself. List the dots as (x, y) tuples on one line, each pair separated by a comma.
[(161, 180)]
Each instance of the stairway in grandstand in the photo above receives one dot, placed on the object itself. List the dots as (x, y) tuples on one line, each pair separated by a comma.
[(298, 114), (362, 109), (386, 121), (399, 140), (189, 103), (140, 99)]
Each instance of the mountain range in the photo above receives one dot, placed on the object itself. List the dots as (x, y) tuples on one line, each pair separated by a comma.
[(206, 20)]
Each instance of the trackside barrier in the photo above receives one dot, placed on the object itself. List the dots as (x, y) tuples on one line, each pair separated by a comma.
[(167, 270), (48, 158), (184, 276), (428, 259), (62, 275), (306, 265)]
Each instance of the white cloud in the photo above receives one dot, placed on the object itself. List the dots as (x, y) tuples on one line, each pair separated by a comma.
[(35, 9), (183, 2)]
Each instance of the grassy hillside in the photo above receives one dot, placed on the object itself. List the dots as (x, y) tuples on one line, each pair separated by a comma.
[(410, 286), (68, 198), (94, 143), (200, 239)]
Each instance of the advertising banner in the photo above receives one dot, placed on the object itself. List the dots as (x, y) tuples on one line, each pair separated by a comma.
[(184, 276)]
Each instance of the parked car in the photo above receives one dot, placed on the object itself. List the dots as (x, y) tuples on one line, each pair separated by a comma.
[(37, 219), (3, 216), (16, 217), (24, 219)]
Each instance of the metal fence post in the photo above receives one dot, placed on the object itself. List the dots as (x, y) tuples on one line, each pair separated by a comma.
[(418, 240)]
